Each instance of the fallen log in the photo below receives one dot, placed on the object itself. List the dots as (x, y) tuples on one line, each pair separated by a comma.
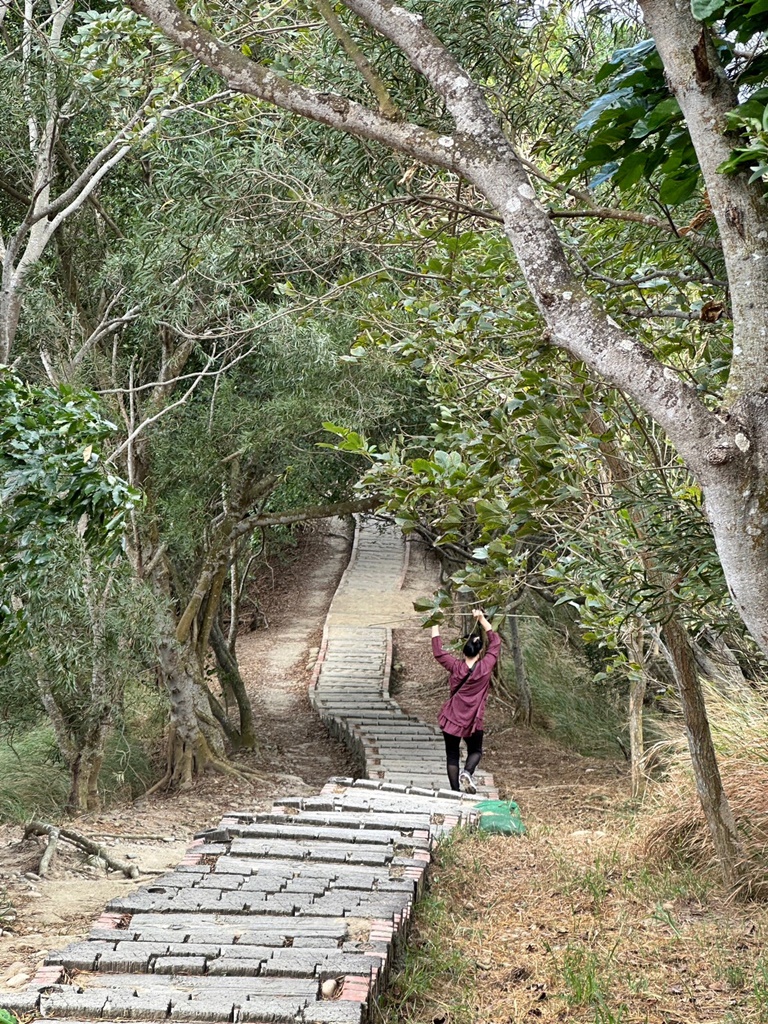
[(40, 828)]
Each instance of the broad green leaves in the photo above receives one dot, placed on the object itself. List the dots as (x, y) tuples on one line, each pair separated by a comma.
[(743, 20), (51, 474), (703, 9), (51, 478), (636, 128)]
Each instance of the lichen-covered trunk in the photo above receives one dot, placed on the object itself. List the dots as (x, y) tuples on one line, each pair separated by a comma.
[(714, 802), (195, 739)]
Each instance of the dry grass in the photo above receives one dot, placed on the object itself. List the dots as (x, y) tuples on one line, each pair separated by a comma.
[(673, 827), (563, 925), (605, 912)]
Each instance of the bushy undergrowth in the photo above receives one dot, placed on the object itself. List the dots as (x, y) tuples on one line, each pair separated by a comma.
[(567, 702), (34, 781)]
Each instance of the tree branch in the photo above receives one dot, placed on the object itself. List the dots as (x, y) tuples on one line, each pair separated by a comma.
[(218, 550), (372, 80), (480, 152), (336, 111), (301, 515)]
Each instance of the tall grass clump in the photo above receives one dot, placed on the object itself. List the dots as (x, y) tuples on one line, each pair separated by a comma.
[(34, 781), (673, 827), (567, 702)]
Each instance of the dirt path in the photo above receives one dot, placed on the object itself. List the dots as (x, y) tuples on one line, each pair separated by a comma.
[(295, 755), (294, 748)]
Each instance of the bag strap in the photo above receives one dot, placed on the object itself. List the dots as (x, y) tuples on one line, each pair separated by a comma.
[(466, 677)]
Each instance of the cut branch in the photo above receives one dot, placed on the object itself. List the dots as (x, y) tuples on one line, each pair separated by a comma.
[(50, 851)]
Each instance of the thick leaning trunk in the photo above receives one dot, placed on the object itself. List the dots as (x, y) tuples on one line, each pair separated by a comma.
[(195, 740), (714, 802)]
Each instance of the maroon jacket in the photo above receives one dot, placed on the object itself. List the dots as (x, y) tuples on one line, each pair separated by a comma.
[(463, 714)]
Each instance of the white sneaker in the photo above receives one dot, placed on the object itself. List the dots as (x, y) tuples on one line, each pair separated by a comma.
[(467, 783)]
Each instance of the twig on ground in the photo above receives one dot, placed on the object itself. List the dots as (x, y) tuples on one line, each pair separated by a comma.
[(130, 838)]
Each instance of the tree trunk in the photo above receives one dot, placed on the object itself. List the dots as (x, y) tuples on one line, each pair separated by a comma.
[(736, 503), (195, 740), (84, 773), (714, 802), (524, 711), (637, 686), (10, 310), (231, 680)]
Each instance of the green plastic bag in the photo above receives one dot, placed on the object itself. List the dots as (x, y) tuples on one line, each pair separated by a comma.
[(500, 817)]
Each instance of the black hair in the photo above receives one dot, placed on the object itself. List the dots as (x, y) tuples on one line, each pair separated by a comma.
[(472, 646)]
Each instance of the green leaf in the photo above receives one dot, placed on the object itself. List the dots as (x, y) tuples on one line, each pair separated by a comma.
[(631, 170), (668, 109), (676, 190), (704, 9)]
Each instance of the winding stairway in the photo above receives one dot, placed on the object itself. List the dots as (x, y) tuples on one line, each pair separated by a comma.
[(293, 915)]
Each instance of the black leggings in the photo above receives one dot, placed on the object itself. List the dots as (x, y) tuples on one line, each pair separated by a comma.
[(474, 753)]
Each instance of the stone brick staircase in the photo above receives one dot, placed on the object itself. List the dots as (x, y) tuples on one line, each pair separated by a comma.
[(296, 914)]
